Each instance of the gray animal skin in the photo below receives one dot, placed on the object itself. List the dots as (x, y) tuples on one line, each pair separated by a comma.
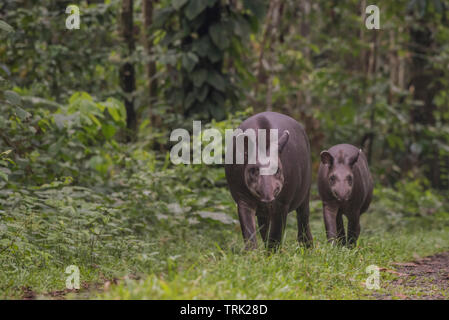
[(271, 197), (345, 186)]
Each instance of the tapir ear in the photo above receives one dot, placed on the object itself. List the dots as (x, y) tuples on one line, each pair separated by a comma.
[(326, 158), (283, 140), (352, 160)]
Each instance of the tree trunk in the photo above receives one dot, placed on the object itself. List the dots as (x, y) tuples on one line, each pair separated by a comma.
[(305, 33), (147, 9), (127, 74), (424, 90)]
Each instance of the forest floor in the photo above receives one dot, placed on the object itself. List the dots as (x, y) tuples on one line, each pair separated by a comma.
[(424, 278), (413, 265), (187, 258)]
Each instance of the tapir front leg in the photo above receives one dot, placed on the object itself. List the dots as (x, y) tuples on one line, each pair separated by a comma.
[(353, 229), (341, 235), (330, 222), (247, 217), (278, 219)]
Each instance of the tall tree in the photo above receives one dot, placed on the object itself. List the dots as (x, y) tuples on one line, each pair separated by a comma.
[(425, 86), (147, 9), (127, 72)]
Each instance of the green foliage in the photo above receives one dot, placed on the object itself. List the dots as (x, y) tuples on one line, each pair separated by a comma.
[(197, 35), (5, 27), (5, 161), (72, 193), (67, 141), (53, 62), (411, 200)]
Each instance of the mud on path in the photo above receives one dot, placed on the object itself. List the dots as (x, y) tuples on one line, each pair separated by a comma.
[(424, 279)]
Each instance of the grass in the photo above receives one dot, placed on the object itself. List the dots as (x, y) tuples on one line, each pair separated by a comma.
[(181, 255), (222, 271)]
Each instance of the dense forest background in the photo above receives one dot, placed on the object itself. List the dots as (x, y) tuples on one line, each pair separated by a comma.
[(86, 115)]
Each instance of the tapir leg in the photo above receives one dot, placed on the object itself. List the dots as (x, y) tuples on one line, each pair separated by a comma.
[(278, 219), (341, 236), (247, 217), (262, 219), (330, 222), (302, 215), (353, 229)]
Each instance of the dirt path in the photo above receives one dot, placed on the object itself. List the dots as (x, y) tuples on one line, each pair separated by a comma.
[(424, 279)]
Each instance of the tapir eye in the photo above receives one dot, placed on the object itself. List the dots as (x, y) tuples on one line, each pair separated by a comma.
[(332, 179), (254, 171), (349, 178)]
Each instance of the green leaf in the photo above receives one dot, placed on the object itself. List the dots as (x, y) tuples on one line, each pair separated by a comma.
[(59, 121), (13, 98), (257, 7), (108, 131), (116, 109), (177, 4), (216, 80), (3, 175), (5, 27), (22, 114), (241, 27), (5, 153), (199, 76), (114, 114), (189, 100), (214, 54), (202, 46), (218, 98), (160, 17), (201, 94), (194, 8), (217, 112), (95, 120), (189, 60), (220, 37)]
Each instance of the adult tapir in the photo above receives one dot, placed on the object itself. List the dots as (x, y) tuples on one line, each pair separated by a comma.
[(345, 186), (271, 197)]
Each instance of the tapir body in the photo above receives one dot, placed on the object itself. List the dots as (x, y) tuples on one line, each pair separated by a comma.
[(271, 197), (345, 186)]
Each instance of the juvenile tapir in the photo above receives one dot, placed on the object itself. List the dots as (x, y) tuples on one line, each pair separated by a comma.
[(345, 186), (271, 197)]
